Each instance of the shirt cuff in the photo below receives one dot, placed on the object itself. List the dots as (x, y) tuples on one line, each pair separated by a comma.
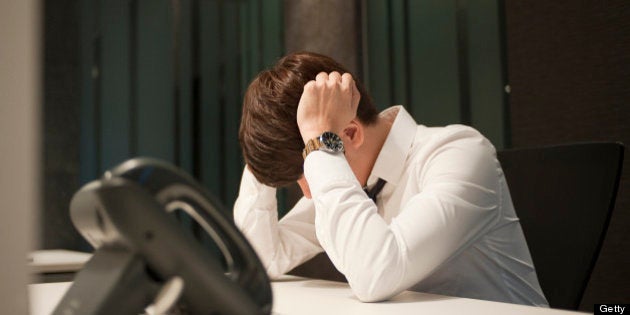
[(265, 195), (323, 168)]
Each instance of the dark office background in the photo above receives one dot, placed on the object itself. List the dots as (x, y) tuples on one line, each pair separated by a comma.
[(165, 78)]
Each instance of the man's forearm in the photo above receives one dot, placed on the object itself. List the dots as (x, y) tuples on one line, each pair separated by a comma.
[(280, 245)]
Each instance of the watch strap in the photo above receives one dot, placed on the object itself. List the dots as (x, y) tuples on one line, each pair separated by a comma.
[(327, 141), (312, 145)]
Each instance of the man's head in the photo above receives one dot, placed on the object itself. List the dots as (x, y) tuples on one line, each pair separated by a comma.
[(269, 135)]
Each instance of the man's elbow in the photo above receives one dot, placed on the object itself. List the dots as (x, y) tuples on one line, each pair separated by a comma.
[(380, 276), (376, 288), (374, 294), (274, 268)]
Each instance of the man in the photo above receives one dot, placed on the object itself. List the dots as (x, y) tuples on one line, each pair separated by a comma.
[(443, 221)]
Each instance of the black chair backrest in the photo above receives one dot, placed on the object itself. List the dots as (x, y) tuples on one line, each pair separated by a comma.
[(564, 196)]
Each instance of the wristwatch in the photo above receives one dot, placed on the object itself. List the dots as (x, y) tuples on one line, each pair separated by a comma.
[(327, 141)]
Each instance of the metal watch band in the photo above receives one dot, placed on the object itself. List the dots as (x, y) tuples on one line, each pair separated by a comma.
[(311, 145), (327, 141)]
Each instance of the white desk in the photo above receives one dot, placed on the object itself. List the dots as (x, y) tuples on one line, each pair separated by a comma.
[(57, 260), (302, 296), (308, 296)]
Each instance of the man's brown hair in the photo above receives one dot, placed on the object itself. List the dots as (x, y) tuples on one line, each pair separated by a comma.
[(269, 134)]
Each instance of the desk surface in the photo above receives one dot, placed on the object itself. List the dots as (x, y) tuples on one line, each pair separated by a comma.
[(310, 296), (57, 260), (293, 295)]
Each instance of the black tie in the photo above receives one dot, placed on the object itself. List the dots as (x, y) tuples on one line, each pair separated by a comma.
[(372, 193)]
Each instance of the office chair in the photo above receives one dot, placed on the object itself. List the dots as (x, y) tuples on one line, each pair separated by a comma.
[(564, 196)]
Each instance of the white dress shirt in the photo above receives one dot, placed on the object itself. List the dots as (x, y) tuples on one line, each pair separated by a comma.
[(444, 223)]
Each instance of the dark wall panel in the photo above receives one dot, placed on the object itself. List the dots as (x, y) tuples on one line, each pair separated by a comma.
[(483, 20), (153, 106), (61, 123), (443, 60), (271, 31), (162, 79), (328, 27), (210, 89), (88, 63), (434, 87), (114, 77), (166, 80), (569, 68), (231, 113), (183, 82), (386, 57)]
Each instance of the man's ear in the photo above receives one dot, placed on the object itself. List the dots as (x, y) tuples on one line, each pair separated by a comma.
[(353, 135)]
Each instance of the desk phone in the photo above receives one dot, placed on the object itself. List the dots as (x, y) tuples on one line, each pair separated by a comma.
[(144, 261)]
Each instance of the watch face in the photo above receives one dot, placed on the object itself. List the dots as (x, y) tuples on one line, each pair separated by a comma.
[(332, 142)]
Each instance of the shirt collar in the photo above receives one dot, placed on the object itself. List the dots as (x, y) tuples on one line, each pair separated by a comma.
[(390, 162)]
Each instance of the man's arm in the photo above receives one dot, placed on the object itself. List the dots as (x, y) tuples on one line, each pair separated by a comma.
[(457, 200), (282, 245), (457, 204)]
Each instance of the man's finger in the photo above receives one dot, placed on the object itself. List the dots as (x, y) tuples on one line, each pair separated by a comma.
[(335, 77), (346, 81), (309, 86), (321, 78)]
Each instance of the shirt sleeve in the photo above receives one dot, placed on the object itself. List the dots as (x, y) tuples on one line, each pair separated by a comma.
[(282, 245), (457, 202)]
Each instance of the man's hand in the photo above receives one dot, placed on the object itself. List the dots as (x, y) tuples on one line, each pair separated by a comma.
[(328, 103)]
